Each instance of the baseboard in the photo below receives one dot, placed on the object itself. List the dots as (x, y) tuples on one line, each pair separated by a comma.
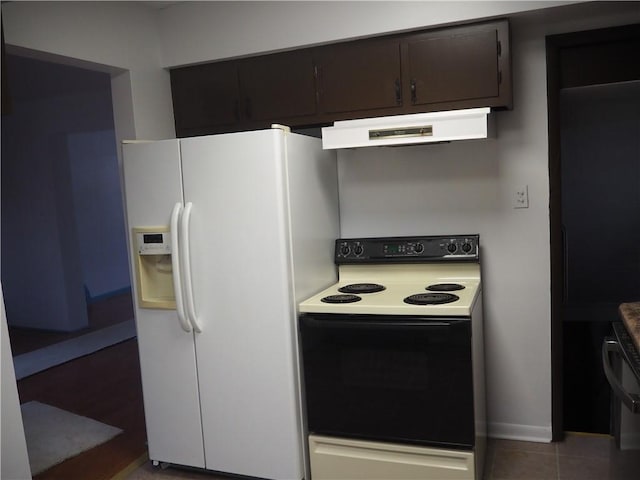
[(514, 431), (630, 441)]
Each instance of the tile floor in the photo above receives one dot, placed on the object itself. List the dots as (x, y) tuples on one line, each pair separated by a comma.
[(578, 457)]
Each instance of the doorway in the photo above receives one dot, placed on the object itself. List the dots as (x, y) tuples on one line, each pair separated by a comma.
[(64, 256), (594, 171)]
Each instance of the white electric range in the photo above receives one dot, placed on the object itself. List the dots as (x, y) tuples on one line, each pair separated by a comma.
[(393, 362)]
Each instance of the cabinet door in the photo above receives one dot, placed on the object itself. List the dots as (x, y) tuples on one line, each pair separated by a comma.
[(277, 87), (458, 65), (359, 76), (205, 98)]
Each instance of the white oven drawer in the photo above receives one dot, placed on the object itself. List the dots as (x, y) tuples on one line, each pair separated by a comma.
[(342, 459)]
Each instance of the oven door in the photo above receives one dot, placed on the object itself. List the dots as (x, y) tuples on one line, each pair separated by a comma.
[(389, 378), (621, 364)]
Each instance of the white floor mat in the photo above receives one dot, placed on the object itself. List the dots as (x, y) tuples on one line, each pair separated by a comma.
[(53, 435)]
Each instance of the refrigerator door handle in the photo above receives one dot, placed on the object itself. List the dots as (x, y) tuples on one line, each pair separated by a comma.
[(186, 268), (175, 265)]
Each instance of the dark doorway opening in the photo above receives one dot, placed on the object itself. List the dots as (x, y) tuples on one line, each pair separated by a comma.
[(594, 172)]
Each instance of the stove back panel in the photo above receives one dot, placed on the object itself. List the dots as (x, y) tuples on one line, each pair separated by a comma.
[(424, 249)]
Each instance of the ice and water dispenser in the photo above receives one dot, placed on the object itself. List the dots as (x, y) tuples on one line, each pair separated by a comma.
[(154, 272)]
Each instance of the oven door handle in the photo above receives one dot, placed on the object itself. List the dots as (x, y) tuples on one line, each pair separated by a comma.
[(339, 324), (631, 400)]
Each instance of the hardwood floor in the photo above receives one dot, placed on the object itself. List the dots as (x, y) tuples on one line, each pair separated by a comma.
[(104, 386), (105, 313)]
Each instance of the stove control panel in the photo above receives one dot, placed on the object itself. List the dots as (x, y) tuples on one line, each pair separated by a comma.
[(438, 248)]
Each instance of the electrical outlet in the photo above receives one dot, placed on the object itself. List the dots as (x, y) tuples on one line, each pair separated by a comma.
[(521, 197)]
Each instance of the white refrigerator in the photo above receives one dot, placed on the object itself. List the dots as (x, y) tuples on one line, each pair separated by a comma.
[(242, 225)]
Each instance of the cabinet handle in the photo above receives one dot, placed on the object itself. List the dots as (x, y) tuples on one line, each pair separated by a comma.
[(319, 85), (565, 264), (398, 92), (413, 90)]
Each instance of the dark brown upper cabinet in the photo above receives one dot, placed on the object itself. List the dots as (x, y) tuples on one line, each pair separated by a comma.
[(357, 76), (277, 88), (460, 67), (205, 98), (449, 68)]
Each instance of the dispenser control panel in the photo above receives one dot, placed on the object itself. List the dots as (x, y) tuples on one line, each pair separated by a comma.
[(154, 267), (154, 243)]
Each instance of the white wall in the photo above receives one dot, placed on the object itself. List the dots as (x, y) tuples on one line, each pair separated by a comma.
[(195, 32), (41, 269), (99, 214), (447, 188)]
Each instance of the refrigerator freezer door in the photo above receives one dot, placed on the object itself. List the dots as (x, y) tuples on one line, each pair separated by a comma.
[(167, 353), (242, 293)]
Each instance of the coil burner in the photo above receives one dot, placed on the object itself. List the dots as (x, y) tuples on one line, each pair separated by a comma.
[(362, 288), (445, 287), (431, 298), (341, 299)]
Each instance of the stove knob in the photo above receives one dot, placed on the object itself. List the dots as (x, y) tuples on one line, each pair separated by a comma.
[(358, 250), (466, 248), (452, 248), (419, 248), (345, 250)]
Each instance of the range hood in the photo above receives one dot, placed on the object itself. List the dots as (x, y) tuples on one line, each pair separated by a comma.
[(471, 123)]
